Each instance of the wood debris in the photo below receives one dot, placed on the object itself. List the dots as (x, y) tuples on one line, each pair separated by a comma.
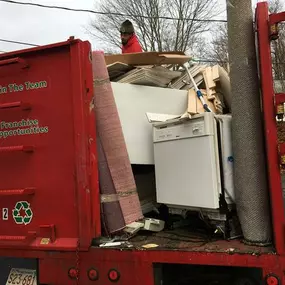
[(165, 70)]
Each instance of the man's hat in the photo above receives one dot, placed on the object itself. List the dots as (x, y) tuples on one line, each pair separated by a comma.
[(127, 27)]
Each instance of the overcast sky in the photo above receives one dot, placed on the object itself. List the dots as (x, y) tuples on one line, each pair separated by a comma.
[(43, 26)]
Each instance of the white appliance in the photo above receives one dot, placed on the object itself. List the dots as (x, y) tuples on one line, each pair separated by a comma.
[(133, 102), (187, 166)]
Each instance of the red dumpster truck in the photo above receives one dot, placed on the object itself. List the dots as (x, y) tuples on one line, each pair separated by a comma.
[(50, 203)]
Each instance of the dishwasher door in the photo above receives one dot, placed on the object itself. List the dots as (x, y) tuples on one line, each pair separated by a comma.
[(186, 163)]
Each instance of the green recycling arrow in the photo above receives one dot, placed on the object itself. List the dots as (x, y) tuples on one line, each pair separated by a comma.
[(18, 206), (18, 218), (25, 205)]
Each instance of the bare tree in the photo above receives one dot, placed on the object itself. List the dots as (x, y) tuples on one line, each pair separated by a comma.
[(278, 57), (219, 45), (278, 46), (154, 23)]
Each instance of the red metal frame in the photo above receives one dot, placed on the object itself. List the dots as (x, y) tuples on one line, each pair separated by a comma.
[(276, 18), (136, 266), (88, 172), (267, 87), (21, 52), (80, 140), (73, 57)]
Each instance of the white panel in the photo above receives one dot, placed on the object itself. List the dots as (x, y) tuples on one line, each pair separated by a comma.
[(133, 102), (227, 155), (187, 169)]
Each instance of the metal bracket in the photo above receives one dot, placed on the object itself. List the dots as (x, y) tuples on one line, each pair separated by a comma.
[(276, 18), (48, 232)]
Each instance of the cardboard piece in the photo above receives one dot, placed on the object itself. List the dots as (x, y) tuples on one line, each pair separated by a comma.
[(154, 117), (148, 58)]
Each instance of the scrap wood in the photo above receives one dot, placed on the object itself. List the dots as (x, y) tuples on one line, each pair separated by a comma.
[(199, 79), (209, 82), (215, 73), (180, 83), (195, 106), (209, 77), (224, 81), (213, 79)]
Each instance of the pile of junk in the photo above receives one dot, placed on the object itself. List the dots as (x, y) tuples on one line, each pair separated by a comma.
[(164, 144)]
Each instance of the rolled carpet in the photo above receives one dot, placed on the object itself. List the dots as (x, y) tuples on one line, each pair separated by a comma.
[(112, 140)]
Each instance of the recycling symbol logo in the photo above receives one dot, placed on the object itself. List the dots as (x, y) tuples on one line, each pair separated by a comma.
[(22, 213)]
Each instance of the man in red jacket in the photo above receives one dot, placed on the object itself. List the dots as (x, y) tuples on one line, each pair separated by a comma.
[(130, 43)]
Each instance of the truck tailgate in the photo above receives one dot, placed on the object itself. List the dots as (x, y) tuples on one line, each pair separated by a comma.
[(48, 179)]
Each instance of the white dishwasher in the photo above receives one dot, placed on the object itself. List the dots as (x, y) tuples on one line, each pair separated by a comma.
[(187, 166)]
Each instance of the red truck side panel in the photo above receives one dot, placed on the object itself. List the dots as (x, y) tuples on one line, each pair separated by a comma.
[(266, 76), (47, 184)]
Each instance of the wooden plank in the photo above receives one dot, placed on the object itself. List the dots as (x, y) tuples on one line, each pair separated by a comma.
[(209, 93), (209, 78), (209, 83), (148, 58), (194, 104), (215, 73), (175, 58), (225, 86)]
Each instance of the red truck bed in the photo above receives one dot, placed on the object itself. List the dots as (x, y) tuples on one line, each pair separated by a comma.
[(181, 240)]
